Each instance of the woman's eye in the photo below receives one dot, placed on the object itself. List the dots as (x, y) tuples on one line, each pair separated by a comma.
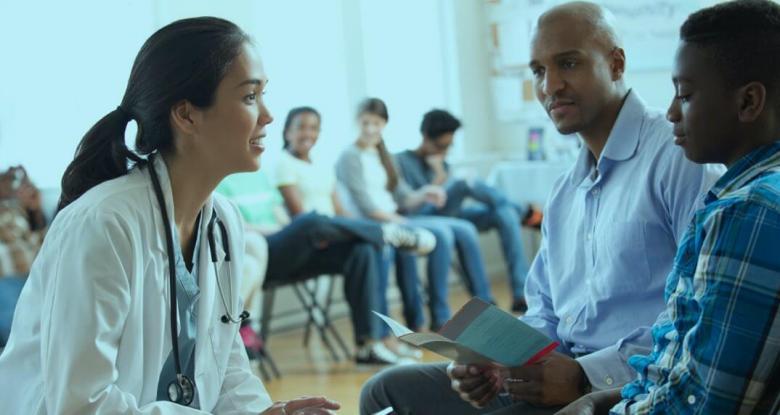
[(251, 98)]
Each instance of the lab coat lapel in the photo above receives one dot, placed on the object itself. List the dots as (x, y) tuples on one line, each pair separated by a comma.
[(208, 310)]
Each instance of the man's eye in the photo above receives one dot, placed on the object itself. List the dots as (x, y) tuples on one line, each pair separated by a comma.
[(683, 97), (569, 64)]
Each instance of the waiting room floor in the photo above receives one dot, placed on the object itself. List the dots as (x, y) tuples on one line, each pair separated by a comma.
[(312, 371)]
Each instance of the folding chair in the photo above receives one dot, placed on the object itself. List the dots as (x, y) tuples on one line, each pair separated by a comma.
[(306, 289)]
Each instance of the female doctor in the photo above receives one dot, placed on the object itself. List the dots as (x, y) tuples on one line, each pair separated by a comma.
[(132, 304)]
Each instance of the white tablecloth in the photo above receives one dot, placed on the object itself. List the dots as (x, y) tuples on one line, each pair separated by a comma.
[(527, 181)]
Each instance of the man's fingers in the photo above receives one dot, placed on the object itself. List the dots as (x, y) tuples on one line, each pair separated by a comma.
[(529, 372), (524, 391), (456, 371), (479, 391)]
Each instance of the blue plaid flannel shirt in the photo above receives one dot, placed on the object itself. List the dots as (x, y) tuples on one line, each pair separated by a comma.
[(716, 345)]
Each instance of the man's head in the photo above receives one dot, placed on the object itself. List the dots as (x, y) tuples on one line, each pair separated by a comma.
[(578, 66), (438, 129), (727, 81)]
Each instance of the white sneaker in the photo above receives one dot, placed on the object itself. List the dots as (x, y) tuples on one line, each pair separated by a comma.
[(420, 241), (404, 350), (378, 354)]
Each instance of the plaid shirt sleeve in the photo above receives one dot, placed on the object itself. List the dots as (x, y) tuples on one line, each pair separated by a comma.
[(729, 314)]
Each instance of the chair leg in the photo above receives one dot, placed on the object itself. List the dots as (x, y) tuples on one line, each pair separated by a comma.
[(312, 294), (265, 357), (265, 320), (269, 295), (311, 307), (263, 371), (326, 318)]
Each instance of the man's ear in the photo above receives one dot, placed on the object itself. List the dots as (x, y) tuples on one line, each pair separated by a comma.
[(751, 101), (182, 117), (617, 63)]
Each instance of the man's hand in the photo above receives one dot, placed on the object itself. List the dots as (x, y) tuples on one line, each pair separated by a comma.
[(303, 406), (435, 162), (595, 403), (477, 385), (434, 195), (556, 379)]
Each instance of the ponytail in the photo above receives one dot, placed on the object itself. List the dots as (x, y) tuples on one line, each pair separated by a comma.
[(387, 163), (101, 155)]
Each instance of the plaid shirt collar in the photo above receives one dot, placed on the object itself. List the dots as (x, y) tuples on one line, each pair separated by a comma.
[(745, 170)]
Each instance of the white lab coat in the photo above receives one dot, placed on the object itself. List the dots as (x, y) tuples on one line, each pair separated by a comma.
[(92, 327)]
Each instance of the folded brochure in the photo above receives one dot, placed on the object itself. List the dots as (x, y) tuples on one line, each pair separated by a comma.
[(480, 333)]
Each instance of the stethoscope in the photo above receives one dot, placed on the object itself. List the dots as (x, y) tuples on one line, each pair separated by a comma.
[(182, 389)]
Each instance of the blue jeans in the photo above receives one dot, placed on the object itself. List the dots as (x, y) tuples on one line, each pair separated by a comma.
[(10, 288), (451, 234), (408, 284), (493, 211), (314, 244)]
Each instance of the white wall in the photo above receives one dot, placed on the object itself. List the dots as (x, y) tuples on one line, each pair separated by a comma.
[(65, 65), (649, 29)]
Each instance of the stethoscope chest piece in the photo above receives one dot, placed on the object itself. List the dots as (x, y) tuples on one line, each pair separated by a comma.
[(181, 390)]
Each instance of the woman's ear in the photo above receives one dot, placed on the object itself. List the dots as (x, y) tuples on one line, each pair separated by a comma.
[(182, 117)]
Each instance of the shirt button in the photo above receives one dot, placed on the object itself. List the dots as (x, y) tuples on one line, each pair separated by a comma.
[(691, 399), (608, 380), (589, 236), (569, 320), (595, 192)]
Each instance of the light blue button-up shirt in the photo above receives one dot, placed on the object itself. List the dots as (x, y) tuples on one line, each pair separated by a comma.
[(609, 238)]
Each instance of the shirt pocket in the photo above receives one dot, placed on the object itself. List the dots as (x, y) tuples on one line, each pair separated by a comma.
[(622, 249)]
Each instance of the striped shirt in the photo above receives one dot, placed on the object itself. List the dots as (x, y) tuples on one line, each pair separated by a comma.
[(716, 345)]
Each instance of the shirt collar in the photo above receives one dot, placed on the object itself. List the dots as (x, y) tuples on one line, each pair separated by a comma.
[(745, 170), (623, 139)]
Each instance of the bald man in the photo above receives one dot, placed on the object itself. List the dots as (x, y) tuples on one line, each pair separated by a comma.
[(610, 233)]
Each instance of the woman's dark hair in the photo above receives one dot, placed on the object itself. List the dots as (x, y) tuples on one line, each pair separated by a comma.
[(376, 106), (291, 116), (184, 60)]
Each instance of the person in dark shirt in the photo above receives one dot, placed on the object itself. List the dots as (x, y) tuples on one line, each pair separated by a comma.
[(492, 210)]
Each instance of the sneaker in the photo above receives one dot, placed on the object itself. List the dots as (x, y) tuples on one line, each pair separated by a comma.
[(519, 305), (250, 338), (533, 218), (420, 241), (378, 354), (404, 350)]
